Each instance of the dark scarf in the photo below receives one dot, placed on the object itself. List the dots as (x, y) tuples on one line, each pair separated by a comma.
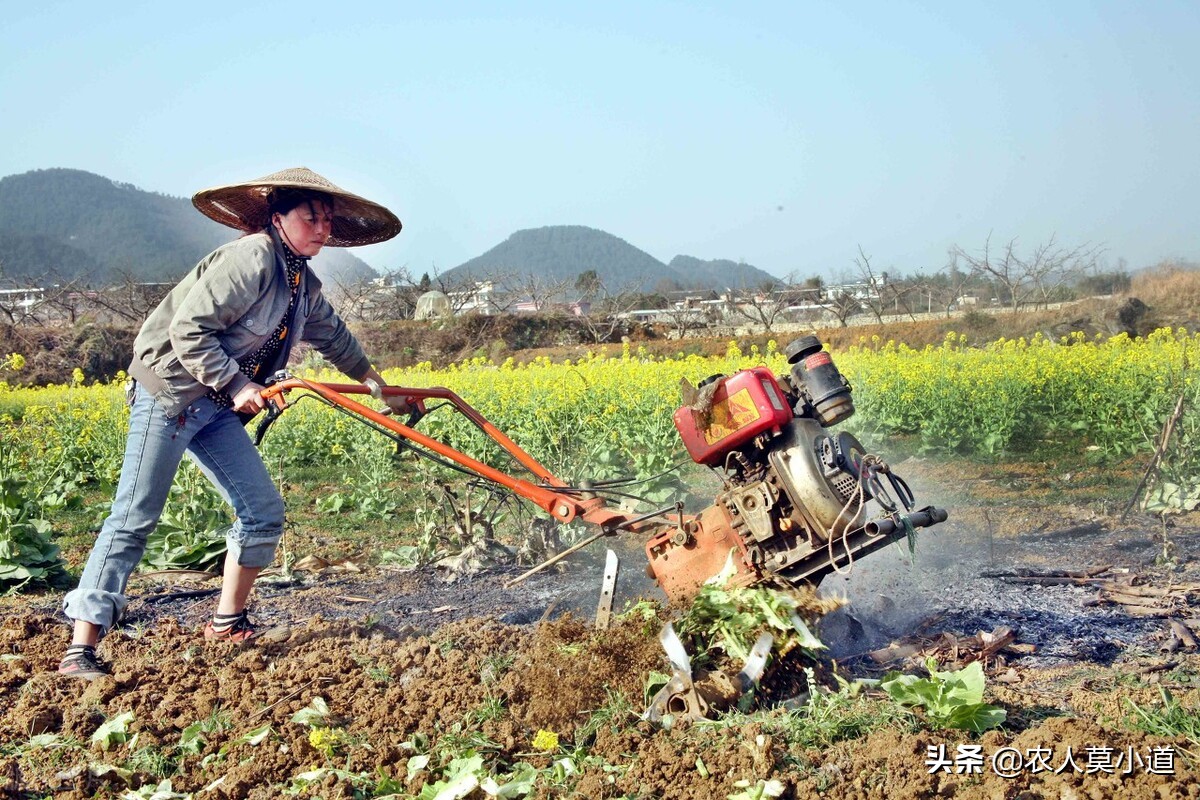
[(252, 365)]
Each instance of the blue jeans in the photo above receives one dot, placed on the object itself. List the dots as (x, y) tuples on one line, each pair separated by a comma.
[(214, 438)]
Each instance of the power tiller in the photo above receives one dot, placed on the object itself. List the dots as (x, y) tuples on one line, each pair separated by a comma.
[(794, 506)]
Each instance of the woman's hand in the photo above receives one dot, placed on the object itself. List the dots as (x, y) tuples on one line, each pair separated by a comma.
[(249, 399), (396, 403)]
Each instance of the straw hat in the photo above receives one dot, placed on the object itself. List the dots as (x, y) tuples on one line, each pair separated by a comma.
[(356, 220)]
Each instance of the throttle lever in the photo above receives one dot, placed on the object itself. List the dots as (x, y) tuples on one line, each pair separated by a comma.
[(417, 414), (273, 412)]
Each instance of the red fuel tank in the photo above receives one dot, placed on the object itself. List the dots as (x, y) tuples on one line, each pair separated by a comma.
[(744, 405)]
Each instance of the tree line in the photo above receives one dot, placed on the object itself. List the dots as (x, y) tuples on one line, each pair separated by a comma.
[(994, 274)]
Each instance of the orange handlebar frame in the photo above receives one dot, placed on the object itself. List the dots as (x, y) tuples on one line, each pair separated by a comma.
[(562, 507)]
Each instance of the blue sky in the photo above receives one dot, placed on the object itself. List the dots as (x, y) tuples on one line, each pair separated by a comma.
[(783, 134)]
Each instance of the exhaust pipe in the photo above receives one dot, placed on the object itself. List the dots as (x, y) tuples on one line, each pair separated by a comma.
[(918, 519)]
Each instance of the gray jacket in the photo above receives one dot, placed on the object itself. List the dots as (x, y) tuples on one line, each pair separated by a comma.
[(224, 310)]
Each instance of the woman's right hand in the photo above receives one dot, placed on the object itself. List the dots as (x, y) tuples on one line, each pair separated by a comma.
[(249, 399)]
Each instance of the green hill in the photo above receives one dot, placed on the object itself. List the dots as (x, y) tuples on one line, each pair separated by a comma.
[(563, 252), (60, 225)]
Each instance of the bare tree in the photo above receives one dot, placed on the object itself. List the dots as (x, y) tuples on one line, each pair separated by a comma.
[(354, 300), (535, 292), (23, 304), (604, 319), (1004, 267), (873, 298), (951, 289), (767, 304), (1035, 277), (842, 305), (1052, 268), (682, 318), (395, 295), (128, 301), (66, 302)]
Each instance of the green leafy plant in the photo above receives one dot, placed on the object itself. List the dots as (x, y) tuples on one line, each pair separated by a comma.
[(731, 618), (113, 731), (312, 715), (191, 531), (160, 791), (950, 699), (192, 738), (465, 774), (758, 791), (27, 556)]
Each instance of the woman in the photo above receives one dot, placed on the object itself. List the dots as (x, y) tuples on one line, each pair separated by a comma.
[(200, 362)]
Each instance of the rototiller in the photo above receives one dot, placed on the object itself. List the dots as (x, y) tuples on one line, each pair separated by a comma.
[(795, 500)]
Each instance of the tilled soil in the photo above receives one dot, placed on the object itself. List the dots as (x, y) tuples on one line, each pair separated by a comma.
[(401, 659)]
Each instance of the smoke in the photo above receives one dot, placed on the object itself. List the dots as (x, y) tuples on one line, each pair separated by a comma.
[(889, 593)]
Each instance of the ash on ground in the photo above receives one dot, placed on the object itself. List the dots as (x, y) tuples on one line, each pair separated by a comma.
[(946, 585)]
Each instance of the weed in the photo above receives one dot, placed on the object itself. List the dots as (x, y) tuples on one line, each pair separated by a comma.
[(490, 710), (152, 761), (455, 742), (494, 667), (616, 713), (830, 717), (827, 717), (648, 612), (1171, 719), (379, 674)]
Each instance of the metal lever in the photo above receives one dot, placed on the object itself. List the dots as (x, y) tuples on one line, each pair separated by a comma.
[(273, 412)]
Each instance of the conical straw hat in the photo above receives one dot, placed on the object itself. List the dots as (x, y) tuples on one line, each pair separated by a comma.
[(356, 220)]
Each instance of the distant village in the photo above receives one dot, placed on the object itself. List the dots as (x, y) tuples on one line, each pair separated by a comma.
[(383, 299)]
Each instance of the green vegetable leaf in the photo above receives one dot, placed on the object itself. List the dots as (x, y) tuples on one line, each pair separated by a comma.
[(113, 731)]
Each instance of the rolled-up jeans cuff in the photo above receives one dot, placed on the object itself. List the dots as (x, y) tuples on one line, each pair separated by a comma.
[(254, 552), (95, 606)]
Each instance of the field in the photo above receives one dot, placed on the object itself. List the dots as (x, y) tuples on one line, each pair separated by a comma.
[(399, 665)]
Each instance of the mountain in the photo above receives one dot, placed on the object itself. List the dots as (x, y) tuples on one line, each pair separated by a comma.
[(64, 224), (560, 253), (721, 273)]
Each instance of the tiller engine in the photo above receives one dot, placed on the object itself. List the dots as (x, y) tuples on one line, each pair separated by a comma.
[(795, 497), (796, 493)]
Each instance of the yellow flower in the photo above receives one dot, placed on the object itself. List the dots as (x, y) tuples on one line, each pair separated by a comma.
[(327, 740), (546, 741)]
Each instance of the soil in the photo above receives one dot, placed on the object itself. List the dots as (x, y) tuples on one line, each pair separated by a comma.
[(404, 661)]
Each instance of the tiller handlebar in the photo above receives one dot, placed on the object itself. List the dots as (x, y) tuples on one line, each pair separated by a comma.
[(550, 494)]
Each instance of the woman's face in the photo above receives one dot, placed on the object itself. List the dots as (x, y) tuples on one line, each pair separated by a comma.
[(306, 227)]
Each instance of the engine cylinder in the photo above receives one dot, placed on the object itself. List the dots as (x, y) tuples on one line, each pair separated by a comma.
[(813, 369)]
